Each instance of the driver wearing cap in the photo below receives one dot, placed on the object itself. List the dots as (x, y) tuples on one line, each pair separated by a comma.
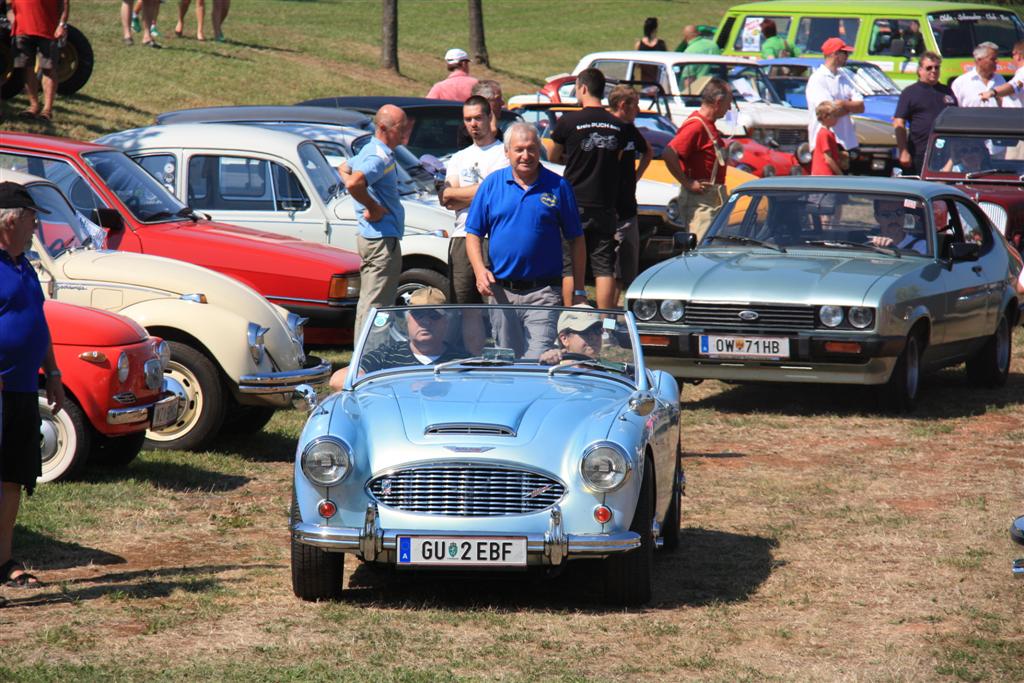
[(578, 333)]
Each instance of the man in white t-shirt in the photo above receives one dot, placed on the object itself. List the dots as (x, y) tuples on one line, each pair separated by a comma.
[(968, 87), (1011, 92), (829, 84)]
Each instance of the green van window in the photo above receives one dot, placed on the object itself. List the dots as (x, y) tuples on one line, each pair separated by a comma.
[(811, 32), (957, 32), (748, 37), (896, 37)]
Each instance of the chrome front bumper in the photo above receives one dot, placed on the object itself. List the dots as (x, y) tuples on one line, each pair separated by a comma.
[(276, 388), (553, 547), (136, 414)]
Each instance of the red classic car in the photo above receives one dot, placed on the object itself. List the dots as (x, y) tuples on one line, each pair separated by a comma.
[(981, 151), (113, 375), (316, 281)]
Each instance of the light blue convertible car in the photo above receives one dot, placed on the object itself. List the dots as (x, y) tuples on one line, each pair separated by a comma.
[(841, 280), (491, 438)]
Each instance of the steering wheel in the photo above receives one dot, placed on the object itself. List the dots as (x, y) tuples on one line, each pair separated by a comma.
[(57, 245)]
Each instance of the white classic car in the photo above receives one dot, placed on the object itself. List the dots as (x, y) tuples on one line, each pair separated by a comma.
[(234, 357), (279, 182)]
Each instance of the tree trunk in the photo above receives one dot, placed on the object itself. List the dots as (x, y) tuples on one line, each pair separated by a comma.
[(477, 44), (389, 35)]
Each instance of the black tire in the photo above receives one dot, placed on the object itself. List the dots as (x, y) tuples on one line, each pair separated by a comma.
[(899, 394), (628, 575), (415, 278), (65, 437), (316, 574), (116, 451), (674, 516), (990, 366), (76, 61), (241, 419), (12, 80), (195, 379)]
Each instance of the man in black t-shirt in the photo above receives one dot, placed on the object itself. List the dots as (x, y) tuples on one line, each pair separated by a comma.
[(624, 104), (590, 142), (918, 106)]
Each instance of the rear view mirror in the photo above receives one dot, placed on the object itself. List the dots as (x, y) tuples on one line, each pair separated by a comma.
[(687, 241), (964, 251), (108, 218)]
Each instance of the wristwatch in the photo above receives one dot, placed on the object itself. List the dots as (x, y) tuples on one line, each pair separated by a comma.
[(579, 292)]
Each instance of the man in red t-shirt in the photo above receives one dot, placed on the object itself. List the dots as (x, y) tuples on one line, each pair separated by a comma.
[(39, 26), (696, 159)]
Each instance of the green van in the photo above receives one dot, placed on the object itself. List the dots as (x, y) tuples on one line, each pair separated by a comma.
[(889, 34)]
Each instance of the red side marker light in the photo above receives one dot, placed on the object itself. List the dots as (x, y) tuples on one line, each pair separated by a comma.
[(653, 340), (842, 347), (327, 509), (602, 514)]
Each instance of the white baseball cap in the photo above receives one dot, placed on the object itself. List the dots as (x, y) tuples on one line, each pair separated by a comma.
[(456, 55)]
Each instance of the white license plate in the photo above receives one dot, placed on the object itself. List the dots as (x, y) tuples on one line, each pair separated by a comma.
[(461, 552), (715, 346), (164, 414)]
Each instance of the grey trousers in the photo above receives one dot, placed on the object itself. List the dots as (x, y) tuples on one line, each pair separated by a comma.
[(378, 275), (528, 333)]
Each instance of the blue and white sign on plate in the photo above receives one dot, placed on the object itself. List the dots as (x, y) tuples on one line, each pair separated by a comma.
[(461, 551)]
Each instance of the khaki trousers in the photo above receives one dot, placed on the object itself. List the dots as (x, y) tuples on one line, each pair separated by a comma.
[(698, 210), (378, 275)]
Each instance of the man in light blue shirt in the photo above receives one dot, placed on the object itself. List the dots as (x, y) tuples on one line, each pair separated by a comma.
[(372, 180)]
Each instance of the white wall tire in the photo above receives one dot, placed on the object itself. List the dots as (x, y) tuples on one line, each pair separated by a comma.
[(64, 440)]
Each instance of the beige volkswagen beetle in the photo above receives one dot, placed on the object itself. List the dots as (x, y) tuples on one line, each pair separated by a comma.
[(235, 357)]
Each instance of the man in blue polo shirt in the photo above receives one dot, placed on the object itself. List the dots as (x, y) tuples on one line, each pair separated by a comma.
[(24, 348), (525, 210), (372, 179)]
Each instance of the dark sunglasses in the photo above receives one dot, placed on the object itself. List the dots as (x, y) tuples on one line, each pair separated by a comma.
[(426, 316), (930, 68), (888, 214), (592, 331)]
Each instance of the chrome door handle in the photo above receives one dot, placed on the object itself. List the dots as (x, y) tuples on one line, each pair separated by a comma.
[(976, 269)]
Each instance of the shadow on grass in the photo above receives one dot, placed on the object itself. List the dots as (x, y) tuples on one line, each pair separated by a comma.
[(709, 567), (261, 446), (44, 552), (167, 475), (78, 97), (945, 394)]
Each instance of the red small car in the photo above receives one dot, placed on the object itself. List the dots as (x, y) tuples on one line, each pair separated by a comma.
[(113, 375), (316, 281)]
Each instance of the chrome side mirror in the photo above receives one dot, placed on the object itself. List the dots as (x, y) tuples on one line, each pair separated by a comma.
[(304, 398), (642, 403)]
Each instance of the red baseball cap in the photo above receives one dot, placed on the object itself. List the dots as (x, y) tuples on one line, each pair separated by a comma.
[(833, 45)]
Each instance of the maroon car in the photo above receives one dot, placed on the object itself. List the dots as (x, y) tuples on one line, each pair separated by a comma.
[(981, 151)]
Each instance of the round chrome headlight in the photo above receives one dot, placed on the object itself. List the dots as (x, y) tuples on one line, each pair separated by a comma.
[(326, 461), (803, 153), (604, 467), (163, 352), (861, 317), (735, 151), (645, 309), (831, 316), (122, 367), (671, 310)]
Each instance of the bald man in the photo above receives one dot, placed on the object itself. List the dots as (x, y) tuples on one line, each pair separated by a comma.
[(371, 179)]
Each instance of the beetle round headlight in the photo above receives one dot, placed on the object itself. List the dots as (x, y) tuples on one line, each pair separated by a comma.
[(861, 317), (831, 316), (644, 309), (163, 352), (604, 467), (735, 151), (803, 153), (326, 461), (122, 367), (671, 310)]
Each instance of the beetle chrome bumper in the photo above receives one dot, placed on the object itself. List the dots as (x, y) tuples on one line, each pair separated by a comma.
[(553, 547), (136, 414), (276, 388)]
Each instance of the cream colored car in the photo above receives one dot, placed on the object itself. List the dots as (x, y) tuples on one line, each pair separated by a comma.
[(235, 357)]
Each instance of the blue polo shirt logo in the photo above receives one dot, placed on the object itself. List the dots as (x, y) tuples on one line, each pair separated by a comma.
[(548, 199)]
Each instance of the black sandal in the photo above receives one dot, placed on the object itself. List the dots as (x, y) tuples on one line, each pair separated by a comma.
[(22, 580)]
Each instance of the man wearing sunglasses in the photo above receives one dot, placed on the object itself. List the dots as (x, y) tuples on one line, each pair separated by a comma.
[(918, 106), (892, 225), (579, 333)]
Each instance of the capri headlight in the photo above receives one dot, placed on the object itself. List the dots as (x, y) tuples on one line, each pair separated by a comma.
[(326, 461), (671, 310), (122, 367), (831, 316), (645, 309), (861, 317), (604, 467), (254, 336)]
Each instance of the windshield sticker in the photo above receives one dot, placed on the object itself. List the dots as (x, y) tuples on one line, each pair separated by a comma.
[(940, 143), (910, 203), (732, 198), (751, 40), (608, 324), (380, 320)]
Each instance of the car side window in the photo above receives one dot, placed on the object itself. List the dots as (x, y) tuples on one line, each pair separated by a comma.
[(228, 183), (613, 68), (749, 38), (811, 32), (288, 192), (163, 167), (896, 37), (972, 226), (60, 173)]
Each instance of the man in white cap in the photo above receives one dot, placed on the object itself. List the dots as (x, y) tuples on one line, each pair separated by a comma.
[(579, 333), (459, 84)]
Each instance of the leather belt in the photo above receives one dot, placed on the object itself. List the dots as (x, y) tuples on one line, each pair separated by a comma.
[(525, 285)]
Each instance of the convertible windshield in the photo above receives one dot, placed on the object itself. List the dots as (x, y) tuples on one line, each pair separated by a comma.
[(457, 339), (974, 154), (61, 229), (891, 224), (141, 194), (749, 83)]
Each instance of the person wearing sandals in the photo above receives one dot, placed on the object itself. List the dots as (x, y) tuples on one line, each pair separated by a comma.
[(38, 27), (24, 348)]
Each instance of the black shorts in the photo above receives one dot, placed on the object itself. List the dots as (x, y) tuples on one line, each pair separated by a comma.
[(27, 47), (599, 226), (21, 461)]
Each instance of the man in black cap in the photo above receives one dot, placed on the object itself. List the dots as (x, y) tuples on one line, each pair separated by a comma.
[(24, 347)]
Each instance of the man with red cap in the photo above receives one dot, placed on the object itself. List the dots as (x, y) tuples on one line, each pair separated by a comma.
[(829, 84)]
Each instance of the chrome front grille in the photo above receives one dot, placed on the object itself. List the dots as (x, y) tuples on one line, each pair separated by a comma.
[(466, 490), (791, 138), (154, 374), (125, 397), (469, 428), (768, 316)]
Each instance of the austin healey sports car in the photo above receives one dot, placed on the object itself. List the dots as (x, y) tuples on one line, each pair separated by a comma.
[(448, 448)]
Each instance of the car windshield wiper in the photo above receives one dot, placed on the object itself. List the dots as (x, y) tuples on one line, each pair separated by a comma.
[(477, 361), (747, 240), (854, 245), (988, 171), (588, 363)]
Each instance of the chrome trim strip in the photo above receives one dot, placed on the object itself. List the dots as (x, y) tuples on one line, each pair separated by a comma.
[(124, 416), (278, 382), (346, 302)]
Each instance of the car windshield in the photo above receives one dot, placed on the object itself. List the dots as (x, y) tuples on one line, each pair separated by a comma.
[(62, 228), (323, 176), (655, 122), (958, 32), (870, 80), (749, 83), (458, 339), (969, 155), (782, 220), (140, 193)]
